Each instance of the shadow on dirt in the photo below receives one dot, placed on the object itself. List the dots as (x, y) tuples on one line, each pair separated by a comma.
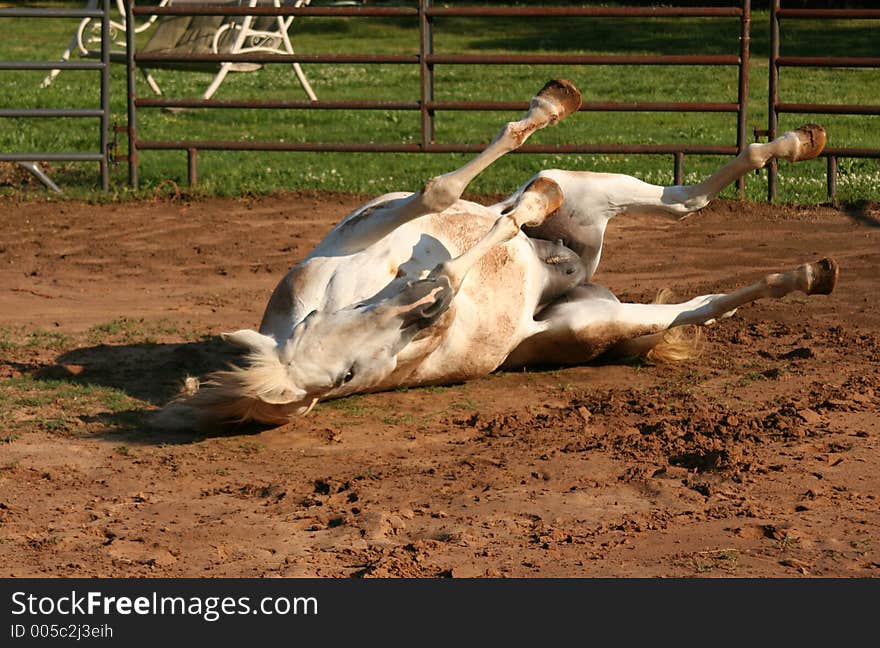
[(148, 372), (861, 214)]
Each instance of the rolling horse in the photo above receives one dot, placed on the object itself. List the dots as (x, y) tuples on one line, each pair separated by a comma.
[(425, 288)]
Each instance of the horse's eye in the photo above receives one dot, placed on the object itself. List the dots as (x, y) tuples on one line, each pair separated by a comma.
[(348, 376)]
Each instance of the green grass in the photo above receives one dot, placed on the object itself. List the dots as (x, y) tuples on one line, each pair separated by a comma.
[(237, 173), (37, 394), (58, 406), (354, 406), (134, 331)]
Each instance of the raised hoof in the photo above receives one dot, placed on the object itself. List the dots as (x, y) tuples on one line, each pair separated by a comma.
[(549, 191), (823, 278), (811, 142), (563, 95)]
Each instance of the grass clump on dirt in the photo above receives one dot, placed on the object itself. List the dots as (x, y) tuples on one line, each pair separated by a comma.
[(56, 406), (59, 383)]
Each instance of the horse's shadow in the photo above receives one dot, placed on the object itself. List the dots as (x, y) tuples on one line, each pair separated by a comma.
[(861, 214), (152, 373)]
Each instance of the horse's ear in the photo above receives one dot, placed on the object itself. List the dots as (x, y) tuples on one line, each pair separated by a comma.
[(250, 340)]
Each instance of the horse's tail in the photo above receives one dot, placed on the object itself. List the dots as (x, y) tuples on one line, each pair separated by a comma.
[(676, 344), (672, 345), (258, 391)]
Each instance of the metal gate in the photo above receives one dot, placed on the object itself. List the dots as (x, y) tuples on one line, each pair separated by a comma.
[(102, 113), (426, 59), (776, 107)]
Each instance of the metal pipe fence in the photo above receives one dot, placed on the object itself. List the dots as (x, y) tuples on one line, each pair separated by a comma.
[(427, 59), (102, 113), (777, 107)]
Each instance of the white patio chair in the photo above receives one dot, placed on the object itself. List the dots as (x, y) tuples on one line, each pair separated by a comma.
[(87, 37), (183, 35)]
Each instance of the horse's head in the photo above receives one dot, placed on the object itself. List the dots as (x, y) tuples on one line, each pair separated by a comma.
[(335, 353)]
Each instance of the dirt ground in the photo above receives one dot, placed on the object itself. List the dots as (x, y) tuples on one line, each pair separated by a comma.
[(759, 459)]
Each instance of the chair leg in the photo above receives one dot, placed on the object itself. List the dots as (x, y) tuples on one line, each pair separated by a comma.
[(297, 68), (54, 73), (74, 42), (304, 82), (224, 70), (148, 77), (40, 175)]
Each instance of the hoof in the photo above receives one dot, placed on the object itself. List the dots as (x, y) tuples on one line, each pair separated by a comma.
[(811, 142), (564, 97), (823, 278), (550, 192)]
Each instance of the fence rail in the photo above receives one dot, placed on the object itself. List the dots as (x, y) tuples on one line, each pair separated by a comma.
[(427, 59)]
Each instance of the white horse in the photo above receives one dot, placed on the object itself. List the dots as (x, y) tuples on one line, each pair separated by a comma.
[(427, 288)]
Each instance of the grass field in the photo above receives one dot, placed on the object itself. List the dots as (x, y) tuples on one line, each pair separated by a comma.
[(256, 172)]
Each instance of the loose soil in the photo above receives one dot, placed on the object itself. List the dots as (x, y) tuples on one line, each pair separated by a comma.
[(761, 458)]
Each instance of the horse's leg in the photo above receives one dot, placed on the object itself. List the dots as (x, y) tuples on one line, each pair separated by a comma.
[(591, 199), (590, 321), (540, 199), (555, 101), (805, 143)]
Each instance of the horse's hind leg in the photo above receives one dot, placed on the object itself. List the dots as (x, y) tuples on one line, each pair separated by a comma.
[(805, 143), (555, 101), (592, 199), (590, 321)]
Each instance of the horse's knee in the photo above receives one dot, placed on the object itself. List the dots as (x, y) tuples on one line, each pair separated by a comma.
[(514, 134), (440, 193), (684, 200), (756, 155), (542, 197)]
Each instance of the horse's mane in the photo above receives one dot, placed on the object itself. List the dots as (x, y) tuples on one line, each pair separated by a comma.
[(255, 391)]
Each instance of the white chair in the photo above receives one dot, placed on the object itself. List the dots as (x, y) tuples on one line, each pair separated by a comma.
[(87, 38), (182, 35)]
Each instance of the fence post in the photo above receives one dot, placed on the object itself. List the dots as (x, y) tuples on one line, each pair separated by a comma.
[(426, 72), (832, 177), (192, 161), (773, 94), (743, 94), (105, 95), (132, 111)]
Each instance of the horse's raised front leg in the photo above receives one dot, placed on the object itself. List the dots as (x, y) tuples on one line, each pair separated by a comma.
[(589, 321), (540, 199), (556, 100)]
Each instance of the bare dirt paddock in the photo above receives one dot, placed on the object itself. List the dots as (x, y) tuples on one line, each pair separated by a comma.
[(762, 458)]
